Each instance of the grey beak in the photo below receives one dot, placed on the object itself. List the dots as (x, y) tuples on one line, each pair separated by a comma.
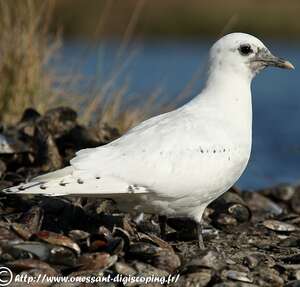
[(266, 58)]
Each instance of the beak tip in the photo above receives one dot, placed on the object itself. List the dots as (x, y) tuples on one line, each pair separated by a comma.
[(289, 65)]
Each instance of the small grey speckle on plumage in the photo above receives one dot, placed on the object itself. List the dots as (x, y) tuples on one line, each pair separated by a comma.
[(80, 181), (62, 183)]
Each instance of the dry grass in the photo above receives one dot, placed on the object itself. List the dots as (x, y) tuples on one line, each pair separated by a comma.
[(27, 80), (25, 49), (177, 18), (109, 107)]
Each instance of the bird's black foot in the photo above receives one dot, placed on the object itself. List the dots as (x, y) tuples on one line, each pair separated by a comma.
[(200, 237), (162, 220)]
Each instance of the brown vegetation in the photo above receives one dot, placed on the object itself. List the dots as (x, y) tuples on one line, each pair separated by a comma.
[(25, 49), (177, 18)]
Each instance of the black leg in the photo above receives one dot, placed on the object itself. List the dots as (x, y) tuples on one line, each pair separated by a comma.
[(162, 220), (200, 237)]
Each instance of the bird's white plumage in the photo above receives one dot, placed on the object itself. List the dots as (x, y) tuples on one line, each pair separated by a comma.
[(177, 162)]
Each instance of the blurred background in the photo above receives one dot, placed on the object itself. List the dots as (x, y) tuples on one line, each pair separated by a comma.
[(122, 61)]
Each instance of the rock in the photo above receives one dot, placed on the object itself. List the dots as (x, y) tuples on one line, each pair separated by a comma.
[(269, 278), (199, 279), (291, 241), (297, 273), (262, 206), (283, 192), (208, 259), (82, 238), (149, 227), (33, 218), (30, 115), (98, 206), (59, 121), (96, 261), (229, 210), (27, 125), (291, 258), (294, 283), (77, 138), (279, 226), (240, 212), (61, 215), (62, 256), (10, 143), (295, 200), (185, 227), (122, 233), (47, 154), (43, 251), (56, 239), (98, 245), (166, 260), (124, 269), (2, 168), (7, 235), (237, 276), (79, 235), (155, 240), (22, 230), (145, 270), (106, 133), (28, 264), (143, 251), (115, 245), (251, 261)]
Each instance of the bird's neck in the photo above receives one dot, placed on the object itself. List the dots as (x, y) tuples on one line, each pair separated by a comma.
[(226, 98)]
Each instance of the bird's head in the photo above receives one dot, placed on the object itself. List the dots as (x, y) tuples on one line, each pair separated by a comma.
[(243, 54)]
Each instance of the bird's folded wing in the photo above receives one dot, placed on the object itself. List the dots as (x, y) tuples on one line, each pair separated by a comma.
[(140, 160)]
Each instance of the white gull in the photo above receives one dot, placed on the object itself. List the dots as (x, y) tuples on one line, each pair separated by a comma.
[(178, 162)]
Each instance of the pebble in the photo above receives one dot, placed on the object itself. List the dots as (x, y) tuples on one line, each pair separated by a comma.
[(199, 279), (237, 276), (283, 192), (209, 259), (295, 200), (294, 283), (96, 261), (29, 264), (251, 261), (262, 206), (279, 226), (56, 239), (166, 260)]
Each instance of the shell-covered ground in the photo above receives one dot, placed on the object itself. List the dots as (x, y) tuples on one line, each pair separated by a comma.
[(251, 238)]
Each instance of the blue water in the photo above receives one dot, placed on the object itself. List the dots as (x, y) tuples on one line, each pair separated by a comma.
[(167, 67)]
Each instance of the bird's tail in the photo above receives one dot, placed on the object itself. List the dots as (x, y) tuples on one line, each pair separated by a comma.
[(71, 182)]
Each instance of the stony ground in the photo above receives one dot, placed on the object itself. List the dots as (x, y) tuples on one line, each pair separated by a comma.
[(252, 239)]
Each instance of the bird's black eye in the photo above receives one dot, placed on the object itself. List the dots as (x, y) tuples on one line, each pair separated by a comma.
[(245, 49)]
